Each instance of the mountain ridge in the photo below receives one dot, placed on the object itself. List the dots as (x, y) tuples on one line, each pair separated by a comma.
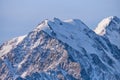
[(66, 50)]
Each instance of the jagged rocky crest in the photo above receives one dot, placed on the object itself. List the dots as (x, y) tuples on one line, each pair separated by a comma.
[(64, 50)]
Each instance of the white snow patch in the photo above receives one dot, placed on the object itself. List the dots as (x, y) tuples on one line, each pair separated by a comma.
[(68, 20), (5, 49), (24, 74), (10, 45), (19, 39), (23, 61), (20, 64), (101, 28)]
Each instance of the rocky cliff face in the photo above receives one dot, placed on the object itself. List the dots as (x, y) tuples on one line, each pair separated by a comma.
[(64, 50)]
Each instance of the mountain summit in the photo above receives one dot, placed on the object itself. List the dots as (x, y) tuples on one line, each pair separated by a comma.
[(110, 28), (64, 50), (111, 23)]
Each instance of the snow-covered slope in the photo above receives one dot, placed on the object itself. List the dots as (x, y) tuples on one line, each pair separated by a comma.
[(61, 50), (110, 28), (8, 46), (73, 32)]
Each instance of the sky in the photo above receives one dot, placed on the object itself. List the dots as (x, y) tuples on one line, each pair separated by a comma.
[(19, 17)]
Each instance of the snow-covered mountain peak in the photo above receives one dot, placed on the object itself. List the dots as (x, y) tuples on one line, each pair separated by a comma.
[(49, 25), (111, 22), (62, 50), (110, 28), (70, 31), (43, 25)]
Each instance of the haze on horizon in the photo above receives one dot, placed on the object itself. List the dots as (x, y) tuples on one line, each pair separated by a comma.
[(20, 17)]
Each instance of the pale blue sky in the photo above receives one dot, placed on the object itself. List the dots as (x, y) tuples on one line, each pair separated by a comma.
[(18, 17)]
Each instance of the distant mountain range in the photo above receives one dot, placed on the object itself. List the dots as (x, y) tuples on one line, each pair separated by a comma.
[(64, 50)]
